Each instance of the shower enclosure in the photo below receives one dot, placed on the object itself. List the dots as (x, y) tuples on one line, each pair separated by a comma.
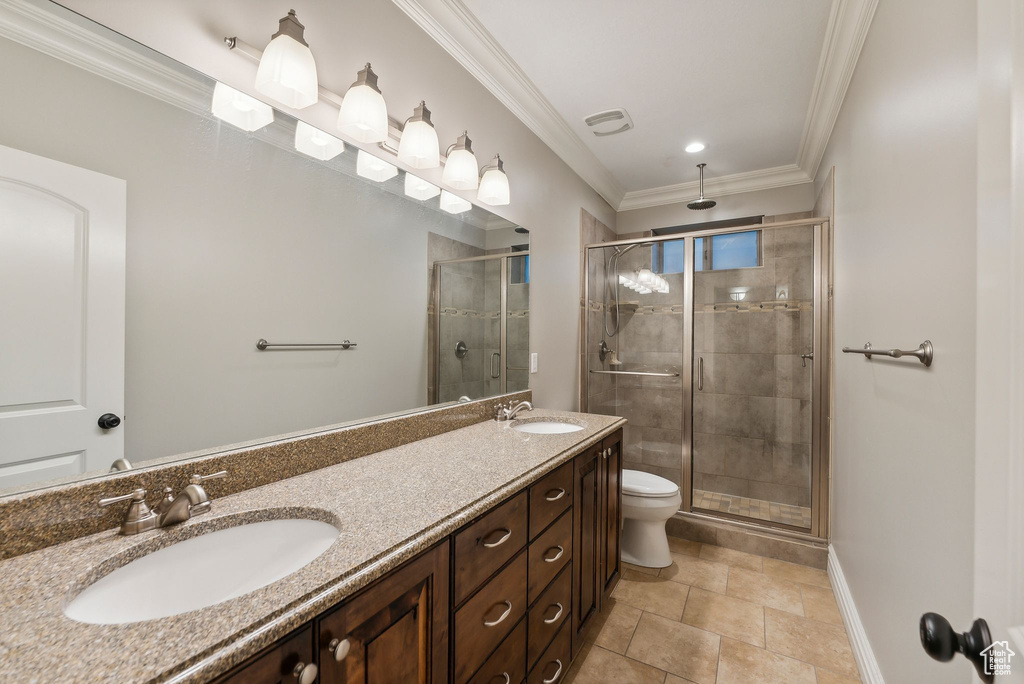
[(480, 336), (713, 344)]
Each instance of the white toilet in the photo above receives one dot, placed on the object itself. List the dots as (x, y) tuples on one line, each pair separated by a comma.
[(648, 501)]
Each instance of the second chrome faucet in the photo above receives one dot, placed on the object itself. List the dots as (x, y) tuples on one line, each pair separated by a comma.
[(192, 500)]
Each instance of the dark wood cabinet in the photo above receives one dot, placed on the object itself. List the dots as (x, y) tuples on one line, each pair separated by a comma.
[(586, 516), (394, 631), (611, 511), (505, 598), (286, 662)]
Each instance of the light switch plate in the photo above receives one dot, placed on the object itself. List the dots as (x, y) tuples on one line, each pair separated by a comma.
[(533, 362)]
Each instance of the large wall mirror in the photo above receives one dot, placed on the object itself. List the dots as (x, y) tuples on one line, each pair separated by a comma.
[(147, 247)]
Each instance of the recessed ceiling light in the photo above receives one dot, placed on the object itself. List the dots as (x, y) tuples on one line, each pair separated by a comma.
[(694, 147)]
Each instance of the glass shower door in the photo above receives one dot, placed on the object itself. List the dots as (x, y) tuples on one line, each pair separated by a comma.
[(468, 329), (753, 342)]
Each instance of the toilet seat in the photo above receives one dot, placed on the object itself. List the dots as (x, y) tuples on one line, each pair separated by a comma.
[(647, 485)]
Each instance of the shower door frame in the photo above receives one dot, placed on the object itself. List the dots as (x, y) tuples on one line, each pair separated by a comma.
[(502, 314), (821, 373)]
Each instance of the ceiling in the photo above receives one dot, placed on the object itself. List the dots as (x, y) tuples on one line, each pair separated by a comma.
[(760, 83), (734, 74)]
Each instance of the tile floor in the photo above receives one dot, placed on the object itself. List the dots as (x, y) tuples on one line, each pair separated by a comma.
[(800, 516), (717, 616)]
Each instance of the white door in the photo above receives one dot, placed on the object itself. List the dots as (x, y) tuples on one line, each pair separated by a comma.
[(62, 252)]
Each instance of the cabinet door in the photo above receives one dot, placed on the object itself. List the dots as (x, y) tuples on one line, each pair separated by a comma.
[(611, 511), (394, 631), (286, 662), (586, 596)]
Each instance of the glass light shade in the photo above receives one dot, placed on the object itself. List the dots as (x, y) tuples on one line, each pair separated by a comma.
[(364, 115), (494, 188), (460, 170), (373, 168), (287, 73), (417, 188), (317, 144), (454, 204), (240, 110), (645, 277), (419, 147)]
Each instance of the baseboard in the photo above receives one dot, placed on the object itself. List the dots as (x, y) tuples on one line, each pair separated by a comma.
[(862, 653)]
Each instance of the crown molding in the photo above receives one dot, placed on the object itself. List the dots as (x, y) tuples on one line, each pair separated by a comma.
[(66, 37), (748, 181), (460, 33), (847, 28)]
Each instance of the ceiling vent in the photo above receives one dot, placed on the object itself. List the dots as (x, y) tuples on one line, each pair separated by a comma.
[(609, 122)]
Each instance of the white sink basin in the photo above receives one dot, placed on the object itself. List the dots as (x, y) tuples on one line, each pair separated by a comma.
[(202, 571), (547, 427)]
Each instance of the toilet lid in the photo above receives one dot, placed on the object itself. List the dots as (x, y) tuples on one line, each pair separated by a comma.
[(639, 483)]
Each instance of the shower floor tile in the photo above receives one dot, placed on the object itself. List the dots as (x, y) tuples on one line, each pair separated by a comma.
[(758, 509)]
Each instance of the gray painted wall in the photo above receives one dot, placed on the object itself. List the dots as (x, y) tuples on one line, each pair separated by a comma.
[(904, 149)]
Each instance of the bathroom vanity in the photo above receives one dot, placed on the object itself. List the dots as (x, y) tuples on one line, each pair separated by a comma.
[(506, 598), (472, 550)]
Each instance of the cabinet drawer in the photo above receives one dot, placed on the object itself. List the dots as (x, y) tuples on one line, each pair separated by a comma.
[(483, 622), (508, 663), (278, 663), (549, 497), (487, 544), (547, 615), (549, 553), (553, 665)]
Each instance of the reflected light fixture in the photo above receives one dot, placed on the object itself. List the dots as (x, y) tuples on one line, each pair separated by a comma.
[(454, 204), (494, 184), (239, 109), (317, 144), (695, 147), (417, 188), (364, 114), (287, 71), (460, 168), (419, 147), (373, 168)]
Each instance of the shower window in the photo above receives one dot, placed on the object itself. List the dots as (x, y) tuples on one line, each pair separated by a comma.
[(716, 253)]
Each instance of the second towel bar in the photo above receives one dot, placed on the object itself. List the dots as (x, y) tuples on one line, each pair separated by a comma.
[(263, 345), (924, 352), (650, 373)]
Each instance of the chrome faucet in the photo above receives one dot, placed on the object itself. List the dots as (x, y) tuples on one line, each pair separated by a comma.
[(192, 500), (509, 412)]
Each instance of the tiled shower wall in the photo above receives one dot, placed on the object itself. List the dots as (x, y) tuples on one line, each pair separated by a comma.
[(752, 421)]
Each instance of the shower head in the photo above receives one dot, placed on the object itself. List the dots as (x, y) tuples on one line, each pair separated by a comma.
[(701, 203)]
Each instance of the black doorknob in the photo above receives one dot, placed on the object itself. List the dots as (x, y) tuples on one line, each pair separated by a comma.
[(941, 642), (108, 421)]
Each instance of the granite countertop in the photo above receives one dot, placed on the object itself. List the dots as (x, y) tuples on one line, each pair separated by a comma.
[(389, 506)]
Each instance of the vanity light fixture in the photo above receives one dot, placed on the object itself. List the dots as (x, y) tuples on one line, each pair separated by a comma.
[(317, 144), (373, 168), (494, 184), (239, 109), (287, 71), (364, 114), (419, 147), (460, 167), (417, 188), (454, 204)]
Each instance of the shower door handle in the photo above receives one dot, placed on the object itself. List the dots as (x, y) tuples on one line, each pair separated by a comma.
[(495, 373), (700, 373)]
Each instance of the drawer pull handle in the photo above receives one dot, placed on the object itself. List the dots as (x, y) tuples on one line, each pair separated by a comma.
[(306, 674), (491, 545), (340, 648), (554, 619), (502, 618), (556, 497), (508, 679), (556, 556), (558, 673)]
